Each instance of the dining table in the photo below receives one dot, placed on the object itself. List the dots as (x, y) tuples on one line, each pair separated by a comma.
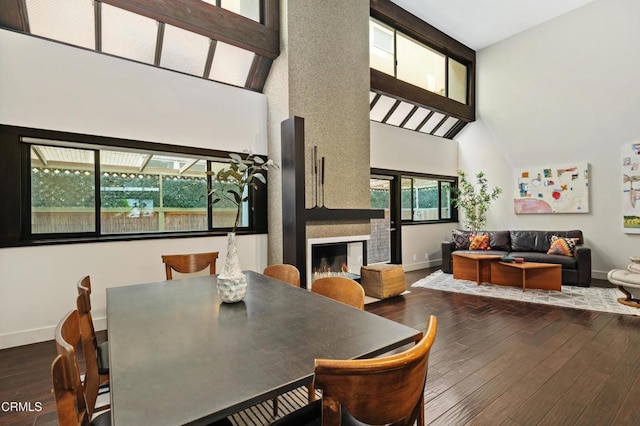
[(179, 355)]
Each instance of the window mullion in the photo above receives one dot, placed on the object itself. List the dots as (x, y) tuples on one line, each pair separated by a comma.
[(209, 197), (98, 203)]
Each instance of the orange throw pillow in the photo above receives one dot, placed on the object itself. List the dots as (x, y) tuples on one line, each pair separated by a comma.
[(480, 242)]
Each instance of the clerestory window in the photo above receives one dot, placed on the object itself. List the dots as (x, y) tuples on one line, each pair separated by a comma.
[(421, 79), (228, 41)]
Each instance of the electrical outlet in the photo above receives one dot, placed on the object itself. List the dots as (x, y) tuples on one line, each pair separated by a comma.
[(415, 257), (426, 256)]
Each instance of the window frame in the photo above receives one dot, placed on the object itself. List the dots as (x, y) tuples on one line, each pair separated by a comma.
[(15, 188), (411, 26), (452, 180), (396, 195)]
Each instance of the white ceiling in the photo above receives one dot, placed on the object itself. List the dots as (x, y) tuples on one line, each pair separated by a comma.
[(479, 24)]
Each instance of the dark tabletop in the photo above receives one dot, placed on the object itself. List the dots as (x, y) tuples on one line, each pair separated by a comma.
[(178, 355)]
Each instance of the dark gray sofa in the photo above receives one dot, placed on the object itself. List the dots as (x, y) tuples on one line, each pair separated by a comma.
[(533, 247)]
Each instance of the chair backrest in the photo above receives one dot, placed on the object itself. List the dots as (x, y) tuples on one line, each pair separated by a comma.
[(384, 390), (285, 272), (69, 392), (342, 289), (83, 303), (92, 378), (70, 402), (189, 263)]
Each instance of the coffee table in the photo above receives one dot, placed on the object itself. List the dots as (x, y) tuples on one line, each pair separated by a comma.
[(473, 267), (545, 276)]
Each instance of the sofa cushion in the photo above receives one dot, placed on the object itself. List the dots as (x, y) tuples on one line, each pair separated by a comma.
[(479, 242), (460, 238), (562, 246), (499, 240), (567, 262), (529, 241)]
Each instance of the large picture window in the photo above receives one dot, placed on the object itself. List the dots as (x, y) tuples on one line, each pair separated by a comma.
[(79, 187)]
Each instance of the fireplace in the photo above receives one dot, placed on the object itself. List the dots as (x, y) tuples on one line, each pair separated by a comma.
[(338, 256)]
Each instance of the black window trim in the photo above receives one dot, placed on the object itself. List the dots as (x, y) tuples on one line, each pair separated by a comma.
[(16, 193), (393, 16), (397, 181)]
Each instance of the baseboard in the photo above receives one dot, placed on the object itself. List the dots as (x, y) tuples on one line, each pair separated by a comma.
[(37, 335), (599, 275), (421, 265)]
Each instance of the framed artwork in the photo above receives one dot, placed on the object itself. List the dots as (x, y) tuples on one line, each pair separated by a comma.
[(631, 188), (553, 189)]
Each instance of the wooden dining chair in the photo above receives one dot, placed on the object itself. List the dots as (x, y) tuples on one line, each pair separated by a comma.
[(83, 303), (189, 263), (284, 272), (342, 289), (71, 404), (68, 341), (384, 390)]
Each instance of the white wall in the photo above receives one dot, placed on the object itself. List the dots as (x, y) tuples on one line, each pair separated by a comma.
[(565, 91), (57, 87), (394, 148)]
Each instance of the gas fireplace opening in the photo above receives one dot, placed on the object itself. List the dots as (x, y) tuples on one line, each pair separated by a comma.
[(341, 259)]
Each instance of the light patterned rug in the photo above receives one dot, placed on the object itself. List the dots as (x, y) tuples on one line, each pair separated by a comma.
[(591, 298)]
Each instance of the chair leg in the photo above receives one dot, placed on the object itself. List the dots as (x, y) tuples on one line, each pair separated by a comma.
[(311, 393), (275, 406), (420, 419)]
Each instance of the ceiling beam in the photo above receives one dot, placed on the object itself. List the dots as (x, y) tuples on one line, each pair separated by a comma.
[(13, 15), (210, 21), (258, 73)]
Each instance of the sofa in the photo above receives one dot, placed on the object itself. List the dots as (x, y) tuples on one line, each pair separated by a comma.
[(530, 245)]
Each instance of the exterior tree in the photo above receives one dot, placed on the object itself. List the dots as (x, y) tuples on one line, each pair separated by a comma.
[(474, 200)]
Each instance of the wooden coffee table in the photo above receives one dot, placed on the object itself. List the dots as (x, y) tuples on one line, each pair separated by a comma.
[(545, 276), (473, 267)]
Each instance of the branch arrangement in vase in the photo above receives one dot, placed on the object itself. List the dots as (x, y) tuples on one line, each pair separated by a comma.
[(236, 179)]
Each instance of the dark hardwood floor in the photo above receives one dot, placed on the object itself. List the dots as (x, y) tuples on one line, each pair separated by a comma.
[(494, 362)]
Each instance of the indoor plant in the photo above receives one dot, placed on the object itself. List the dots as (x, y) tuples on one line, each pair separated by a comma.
[(474, 201), (233, 184)]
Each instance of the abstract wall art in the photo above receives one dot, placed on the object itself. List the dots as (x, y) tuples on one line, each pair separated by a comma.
[(553, 189), (631, 188)]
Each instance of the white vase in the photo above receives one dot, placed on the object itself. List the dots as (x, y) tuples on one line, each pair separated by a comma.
[(232, 283)]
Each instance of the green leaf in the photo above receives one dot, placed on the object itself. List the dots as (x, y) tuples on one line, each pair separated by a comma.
[(260, 177)]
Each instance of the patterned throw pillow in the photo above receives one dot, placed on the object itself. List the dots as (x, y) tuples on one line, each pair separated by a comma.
[(562, 246), (460, 239), (479, 242)]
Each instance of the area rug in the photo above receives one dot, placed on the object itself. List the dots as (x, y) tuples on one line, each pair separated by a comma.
[(591, 298)]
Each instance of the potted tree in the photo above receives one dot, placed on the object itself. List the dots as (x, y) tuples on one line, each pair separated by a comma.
[(474, 200)]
